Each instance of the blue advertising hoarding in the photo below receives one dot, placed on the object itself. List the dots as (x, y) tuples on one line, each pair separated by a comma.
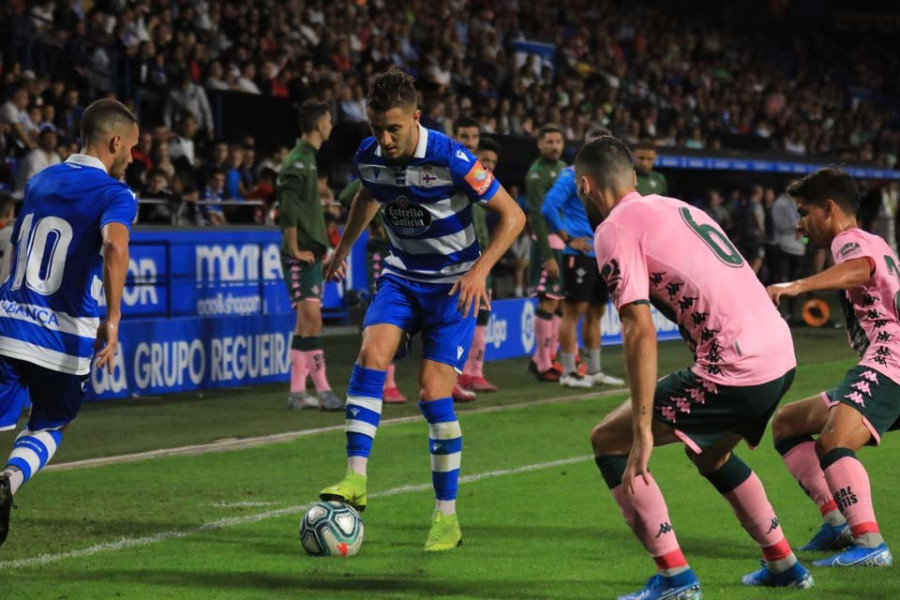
[(208, 309)]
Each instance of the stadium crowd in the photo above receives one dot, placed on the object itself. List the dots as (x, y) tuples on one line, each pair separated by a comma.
[(681, 81)]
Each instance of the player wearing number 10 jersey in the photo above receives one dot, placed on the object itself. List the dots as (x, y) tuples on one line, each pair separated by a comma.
[(71, 239), (652, 249)]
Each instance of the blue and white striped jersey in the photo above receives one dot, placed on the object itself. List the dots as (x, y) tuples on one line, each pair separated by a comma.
[(563, 210), (427, 205), (48, 304)]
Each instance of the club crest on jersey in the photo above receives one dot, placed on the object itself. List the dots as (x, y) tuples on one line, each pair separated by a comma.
[(406, 218), (428, 177), (849, 248)]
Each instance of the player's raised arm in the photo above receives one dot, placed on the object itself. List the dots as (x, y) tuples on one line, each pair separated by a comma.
[(844, 276), (362, 210)]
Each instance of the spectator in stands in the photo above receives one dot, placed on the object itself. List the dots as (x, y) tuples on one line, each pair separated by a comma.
[(181, 147), (157, 188), (787, 248), (234, 186), (7, 220), (215, 78), (246, 82), (14, 113), (248, 168), (43, 156), (214, 192), (648, 180), (161, 157), (189, 98)]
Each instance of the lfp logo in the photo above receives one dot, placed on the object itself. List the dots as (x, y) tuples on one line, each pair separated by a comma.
[(496, 331), (527, 326)]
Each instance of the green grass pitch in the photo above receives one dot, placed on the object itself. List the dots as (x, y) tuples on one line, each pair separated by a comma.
[(537, 519)]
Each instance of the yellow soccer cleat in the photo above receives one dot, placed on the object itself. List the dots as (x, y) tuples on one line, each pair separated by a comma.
[(445, 533), (351, 490)]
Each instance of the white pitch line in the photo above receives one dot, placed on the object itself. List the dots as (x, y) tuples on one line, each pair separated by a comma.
[(244, 504), (125, 543), (252, 442)]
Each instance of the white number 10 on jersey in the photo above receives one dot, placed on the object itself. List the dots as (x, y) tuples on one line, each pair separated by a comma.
[(51, 234)]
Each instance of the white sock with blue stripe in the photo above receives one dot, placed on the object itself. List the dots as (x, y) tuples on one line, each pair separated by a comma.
[(445, 446), (32, 450), (363, 413)]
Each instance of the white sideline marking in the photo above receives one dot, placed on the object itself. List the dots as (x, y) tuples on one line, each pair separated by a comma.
[(252, 442), (125, 543), (244, 504)]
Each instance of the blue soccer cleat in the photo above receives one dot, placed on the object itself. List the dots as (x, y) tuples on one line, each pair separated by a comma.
[(796, 577), (829, 538), (857, 556), (683, 586)]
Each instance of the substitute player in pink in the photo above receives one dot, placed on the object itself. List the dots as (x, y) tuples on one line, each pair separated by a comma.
[(867, 402), (652, 249)]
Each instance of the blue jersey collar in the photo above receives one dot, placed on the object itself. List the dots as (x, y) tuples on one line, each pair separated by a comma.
[(86, 161)]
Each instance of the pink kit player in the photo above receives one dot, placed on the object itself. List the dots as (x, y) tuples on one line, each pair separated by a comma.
[(866, 404), (662, 251)]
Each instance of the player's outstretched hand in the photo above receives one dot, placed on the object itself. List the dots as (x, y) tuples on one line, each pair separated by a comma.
[(777, 291), (583, 244), (472, 288), (638, 461), (106, 343), (334, 268)]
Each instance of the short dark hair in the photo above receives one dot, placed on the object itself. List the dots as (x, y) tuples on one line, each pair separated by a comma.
[(831, 182), (548, 129), (104, 117), (390, 90), (465, 123), (310, 113), (489, 144), (645, 144), (7, 203), (595, 131), (605, 158)]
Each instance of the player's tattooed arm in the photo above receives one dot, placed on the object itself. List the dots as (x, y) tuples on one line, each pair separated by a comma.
[(362, 211), (844, 276), (639, 336)]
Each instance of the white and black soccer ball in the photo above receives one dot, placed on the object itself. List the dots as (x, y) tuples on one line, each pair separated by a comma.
[(331, 529)]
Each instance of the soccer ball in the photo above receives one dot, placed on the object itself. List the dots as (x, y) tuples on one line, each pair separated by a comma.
[(331, 529)]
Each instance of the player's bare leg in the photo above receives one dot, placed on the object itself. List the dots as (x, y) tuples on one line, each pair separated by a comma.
[(592, 335), (568, 345)]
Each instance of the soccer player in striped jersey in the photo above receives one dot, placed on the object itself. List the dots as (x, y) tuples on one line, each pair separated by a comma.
[(71, 242), (585, 291), (433, 282), (866, 404), (661, 250)]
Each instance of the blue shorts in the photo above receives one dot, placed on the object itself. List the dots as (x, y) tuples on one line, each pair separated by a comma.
[(425, 308), (55, 397)]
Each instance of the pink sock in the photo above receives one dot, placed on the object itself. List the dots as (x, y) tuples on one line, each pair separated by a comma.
[(849, 484), (389, 378), (315, 362), (475, 362), (803, 463), (554, 341), (646, 513), (299, 371), (756, 515), (543, 333)]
